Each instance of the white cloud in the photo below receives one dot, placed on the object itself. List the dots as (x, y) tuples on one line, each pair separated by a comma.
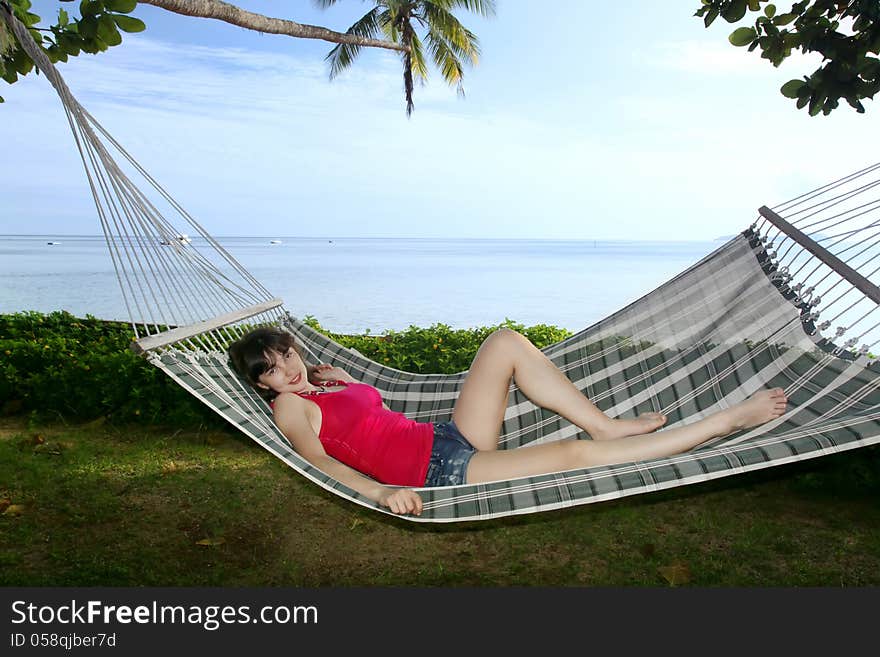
[(260, 142)]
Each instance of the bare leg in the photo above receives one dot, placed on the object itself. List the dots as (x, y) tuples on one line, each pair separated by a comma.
[(761, 407), (506, 355)]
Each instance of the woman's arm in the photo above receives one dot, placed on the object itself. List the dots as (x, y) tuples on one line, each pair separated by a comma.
[(291, 416)]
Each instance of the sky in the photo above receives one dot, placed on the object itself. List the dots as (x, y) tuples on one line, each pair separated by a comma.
[(596, 120)]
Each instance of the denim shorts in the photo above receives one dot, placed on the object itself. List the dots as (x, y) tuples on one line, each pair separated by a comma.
[(449, 457)]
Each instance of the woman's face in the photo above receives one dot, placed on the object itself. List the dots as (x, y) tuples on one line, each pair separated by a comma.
[(286, 373)]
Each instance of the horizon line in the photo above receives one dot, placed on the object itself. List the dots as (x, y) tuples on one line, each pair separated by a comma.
[(391, 237)]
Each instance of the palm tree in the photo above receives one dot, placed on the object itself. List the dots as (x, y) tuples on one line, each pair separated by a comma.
[(448, 42)]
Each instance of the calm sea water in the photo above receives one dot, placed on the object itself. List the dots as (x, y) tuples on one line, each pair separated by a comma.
[(355, 284)]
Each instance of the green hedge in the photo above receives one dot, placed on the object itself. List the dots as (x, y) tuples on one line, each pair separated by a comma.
[(57, 365), (438, 349)]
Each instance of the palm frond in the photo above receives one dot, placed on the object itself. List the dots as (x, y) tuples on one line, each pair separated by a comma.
[(447, 41), (447, 61), (419, 63), (323, 4), (485, 8), (343, 55), (390, 24), (457, 37)]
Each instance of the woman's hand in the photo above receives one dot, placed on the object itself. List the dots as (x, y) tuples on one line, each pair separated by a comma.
[(326, 372), (402, 500)]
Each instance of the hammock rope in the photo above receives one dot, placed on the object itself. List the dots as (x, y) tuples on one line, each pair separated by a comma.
[(771, 307)]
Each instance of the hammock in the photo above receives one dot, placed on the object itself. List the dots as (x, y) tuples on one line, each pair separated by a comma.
[(787, 303)]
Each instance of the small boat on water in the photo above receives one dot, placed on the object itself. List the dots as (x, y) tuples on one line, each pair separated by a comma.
[(183, 238), (53, 243), (274, 241)]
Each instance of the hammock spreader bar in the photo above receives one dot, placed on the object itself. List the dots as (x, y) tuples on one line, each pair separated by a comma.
[(175, 335), (855, 278)]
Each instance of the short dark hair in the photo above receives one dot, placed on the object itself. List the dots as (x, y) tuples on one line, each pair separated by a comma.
[(251, 355)]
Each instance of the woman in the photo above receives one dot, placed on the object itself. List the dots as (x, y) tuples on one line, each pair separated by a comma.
[(343, 428)]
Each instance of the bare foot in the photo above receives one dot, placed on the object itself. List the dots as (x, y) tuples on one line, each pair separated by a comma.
[(644, 423), (763, 406)]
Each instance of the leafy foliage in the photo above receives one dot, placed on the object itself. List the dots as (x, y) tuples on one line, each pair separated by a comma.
[(57, 365), (437, 349), (846, 33), (96, 29), (449, 44)]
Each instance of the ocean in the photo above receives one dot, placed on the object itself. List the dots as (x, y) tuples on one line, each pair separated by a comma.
[(351, 285)]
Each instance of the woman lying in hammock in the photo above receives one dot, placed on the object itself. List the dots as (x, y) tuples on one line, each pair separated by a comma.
[(343, 428)]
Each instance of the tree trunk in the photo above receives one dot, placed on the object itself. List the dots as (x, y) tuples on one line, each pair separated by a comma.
[(228, 13)]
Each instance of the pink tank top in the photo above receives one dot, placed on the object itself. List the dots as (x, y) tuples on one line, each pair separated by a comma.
[(382, 444)]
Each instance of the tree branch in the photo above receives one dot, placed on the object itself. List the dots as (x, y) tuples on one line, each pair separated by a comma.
[(223, 11)]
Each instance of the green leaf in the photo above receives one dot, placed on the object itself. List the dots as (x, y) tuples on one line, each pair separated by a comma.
[(107, 31), (9, 75), (791, 40), (90, 46), (817, 102), (734, 11), (88, 27), (710, 17), (791, 88), (742, 36), (38, 38), (90, 8), (754, 5), (129, 24), (784, 19), (770, 11), (69, 42), (19, 63), (122, 6), (24, 65)]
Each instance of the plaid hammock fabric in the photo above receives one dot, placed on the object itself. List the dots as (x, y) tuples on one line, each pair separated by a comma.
[(703, 341), (746, 317)]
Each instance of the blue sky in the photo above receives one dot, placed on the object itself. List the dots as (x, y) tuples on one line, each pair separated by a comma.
[(596, 120)]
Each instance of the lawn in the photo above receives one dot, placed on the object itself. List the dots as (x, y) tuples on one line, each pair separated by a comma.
[(135, 505)]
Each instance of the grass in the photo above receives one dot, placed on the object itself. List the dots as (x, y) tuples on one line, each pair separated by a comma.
[(96, 504)]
